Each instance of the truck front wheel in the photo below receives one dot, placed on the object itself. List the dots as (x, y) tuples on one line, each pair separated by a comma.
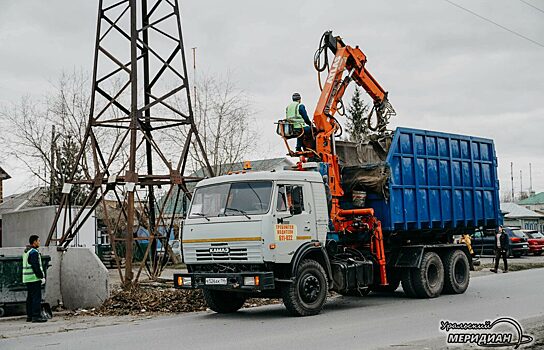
[(308, 292), (223, 302), (456, 272), (428, 280)]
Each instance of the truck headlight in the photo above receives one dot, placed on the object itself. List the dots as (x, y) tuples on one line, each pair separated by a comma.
[(187, 281), (251, 281)]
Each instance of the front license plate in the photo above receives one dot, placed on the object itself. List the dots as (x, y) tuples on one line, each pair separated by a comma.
[(525, 246), (216, 281)]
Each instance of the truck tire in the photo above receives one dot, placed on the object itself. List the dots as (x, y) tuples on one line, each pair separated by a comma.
[(308, 292), (428, 280), (408, 284), (2, 311), (223, 302), (456, 272)]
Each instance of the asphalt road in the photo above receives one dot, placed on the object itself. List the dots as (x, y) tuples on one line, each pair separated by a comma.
[(369, 322)]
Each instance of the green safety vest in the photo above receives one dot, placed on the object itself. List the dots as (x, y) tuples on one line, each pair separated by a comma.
[(28, 273), (293, 115)]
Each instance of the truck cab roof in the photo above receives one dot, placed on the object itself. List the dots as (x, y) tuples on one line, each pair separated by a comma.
[(283, 175)]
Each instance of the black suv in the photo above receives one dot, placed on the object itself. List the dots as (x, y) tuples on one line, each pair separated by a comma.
[(483, 243)]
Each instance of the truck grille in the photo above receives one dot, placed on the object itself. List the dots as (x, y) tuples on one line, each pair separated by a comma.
[(234, 254), (249, 251)]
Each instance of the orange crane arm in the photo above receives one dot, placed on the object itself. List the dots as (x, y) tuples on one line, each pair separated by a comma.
[(351, 60), (348, 59)]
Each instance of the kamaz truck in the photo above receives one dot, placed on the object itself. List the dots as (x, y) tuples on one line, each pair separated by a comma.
[(349, 217)]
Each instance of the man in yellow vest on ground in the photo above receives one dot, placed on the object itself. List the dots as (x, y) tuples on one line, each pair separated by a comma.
[(296, 113), (33, 278)]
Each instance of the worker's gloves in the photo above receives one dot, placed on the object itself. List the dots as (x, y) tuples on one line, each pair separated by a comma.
[(43, 281)]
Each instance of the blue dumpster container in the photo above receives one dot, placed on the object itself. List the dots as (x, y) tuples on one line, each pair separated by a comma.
[(438, 181)]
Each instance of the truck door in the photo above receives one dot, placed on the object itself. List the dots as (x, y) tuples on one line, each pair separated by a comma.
[(294, 219)]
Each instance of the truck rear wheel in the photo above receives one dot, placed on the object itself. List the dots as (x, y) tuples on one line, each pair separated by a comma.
[(223, 302), (308, 292), (408, 284), (456, 272), (428, 280)]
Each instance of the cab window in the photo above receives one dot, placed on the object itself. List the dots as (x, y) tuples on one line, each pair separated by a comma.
[(290, 199)]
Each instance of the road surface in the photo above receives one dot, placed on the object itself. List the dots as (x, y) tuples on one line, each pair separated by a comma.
[(376, 321)]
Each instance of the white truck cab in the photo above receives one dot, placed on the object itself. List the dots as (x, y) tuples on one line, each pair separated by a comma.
[(259, 234), (254, 217)]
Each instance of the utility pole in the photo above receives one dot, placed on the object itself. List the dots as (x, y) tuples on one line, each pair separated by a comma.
[(512, 179), (520, 183), (194, 73), (52, 184), (530, 180)]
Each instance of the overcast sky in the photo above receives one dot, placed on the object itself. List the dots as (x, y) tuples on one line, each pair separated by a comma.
[(445, 69)]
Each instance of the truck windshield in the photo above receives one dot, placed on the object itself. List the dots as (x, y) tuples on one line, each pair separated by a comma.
[(232, 199)]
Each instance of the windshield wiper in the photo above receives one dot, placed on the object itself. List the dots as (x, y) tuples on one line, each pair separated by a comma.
[(240, 211), (201, 215)]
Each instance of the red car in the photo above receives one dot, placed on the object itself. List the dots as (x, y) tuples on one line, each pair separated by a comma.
[(536, 241)]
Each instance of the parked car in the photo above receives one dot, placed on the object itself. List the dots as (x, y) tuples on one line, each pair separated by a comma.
[(483, 243), (536, 241)]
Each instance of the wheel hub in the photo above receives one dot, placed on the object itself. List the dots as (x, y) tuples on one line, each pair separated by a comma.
[(309, 288)]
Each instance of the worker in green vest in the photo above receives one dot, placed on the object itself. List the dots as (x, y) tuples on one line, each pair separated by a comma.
[(296, 113), (33, 278)]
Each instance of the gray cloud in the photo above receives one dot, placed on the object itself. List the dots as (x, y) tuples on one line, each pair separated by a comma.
[(444, 68)]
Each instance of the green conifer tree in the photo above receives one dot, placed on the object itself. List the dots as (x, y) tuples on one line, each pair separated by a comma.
[(357, 115)]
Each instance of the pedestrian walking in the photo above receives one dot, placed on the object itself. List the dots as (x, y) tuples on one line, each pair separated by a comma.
[(502, 245), (33, 278)]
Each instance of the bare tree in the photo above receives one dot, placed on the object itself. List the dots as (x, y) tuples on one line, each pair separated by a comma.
[(47, 135), (223, 116)]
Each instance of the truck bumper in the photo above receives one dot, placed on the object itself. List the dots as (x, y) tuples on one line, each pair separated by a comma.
[(242, 281)]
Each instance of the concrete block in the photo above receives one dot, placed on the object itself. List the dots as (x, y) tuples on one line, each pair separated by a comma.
[(84, 279)]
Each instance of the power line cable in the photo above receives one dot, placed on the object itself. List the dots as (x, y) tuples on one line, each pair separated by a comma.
[(533, 6), (495, 23)]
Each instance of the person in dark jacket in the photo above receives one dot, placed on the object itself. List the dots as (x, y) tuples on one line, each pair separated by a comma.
[(502, 246), (33, 278)]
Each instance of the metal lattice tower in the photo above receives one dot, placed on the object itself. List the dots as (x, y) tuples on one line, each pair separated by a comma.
[(140, 98)]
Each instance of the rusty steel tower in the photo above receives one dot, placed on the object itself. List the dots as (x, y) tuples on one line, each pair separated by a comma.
[(140, 105)]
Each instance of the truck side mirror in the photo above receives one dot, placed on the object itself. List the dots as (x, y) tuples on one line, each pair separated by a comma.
[(295, 209)]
